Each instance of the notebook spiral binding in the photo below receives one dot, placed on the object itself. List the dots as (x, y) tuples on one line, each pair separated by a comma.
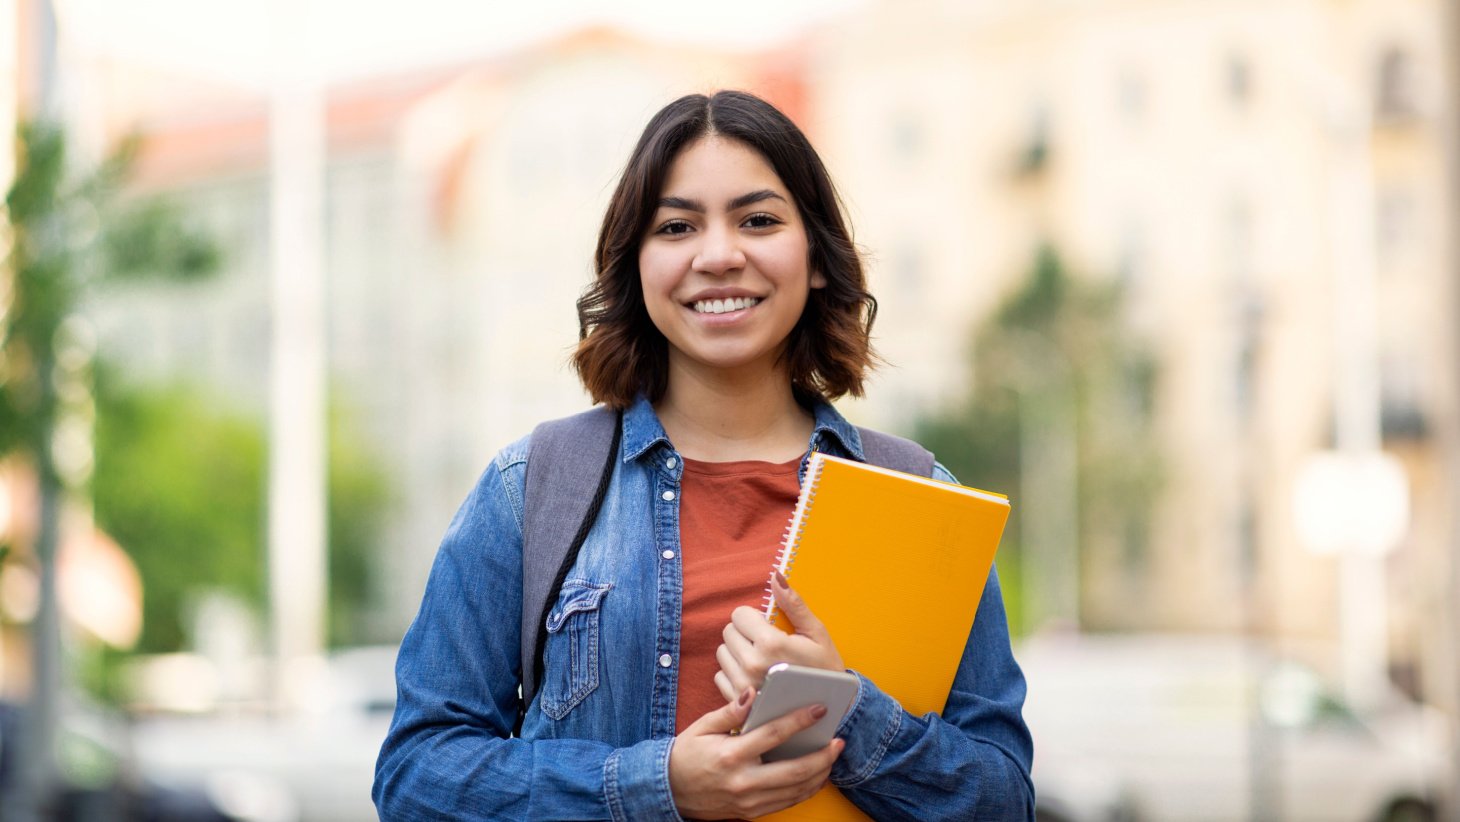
[(787, 556)]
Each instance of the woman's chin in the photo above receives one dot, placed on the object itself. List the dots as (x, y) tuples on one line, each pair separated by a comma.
[(737, 361)]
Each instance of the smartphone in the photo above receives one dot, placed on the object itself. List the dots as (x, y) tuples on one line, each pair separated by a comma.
[(790, 687)]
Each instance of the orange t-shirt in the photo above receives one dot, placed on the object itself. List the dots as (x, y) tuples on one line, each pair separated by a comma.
[(732, 518)]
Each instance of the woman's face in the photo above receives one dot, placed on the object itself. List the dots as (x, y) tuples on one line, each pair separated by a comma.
[(725, 265)]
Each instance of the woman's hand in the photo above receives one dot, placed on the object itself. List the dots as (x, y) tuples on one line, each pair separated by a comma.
[(752, 645), (714, 775)]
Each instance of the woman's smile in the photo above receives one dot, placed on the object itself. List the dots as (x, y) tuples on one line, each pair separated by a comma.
[(720, 307)]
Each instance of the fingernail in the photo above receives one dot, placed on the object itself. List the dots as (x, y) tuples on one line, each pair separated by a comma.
[(744, 698), (781, 579), (818, 711)]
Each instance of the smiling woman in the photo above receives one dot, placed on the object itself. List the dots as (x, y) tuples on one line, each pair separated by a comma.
[(725, 283), (729, 307), (723, 198)]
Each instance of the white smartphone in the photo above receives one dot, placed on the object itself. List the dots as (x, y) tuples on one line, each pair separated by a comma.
[(790, 687)]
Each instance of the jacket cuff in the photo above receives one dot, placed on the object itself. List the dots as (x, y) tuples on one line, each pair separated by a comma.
[(636, 782), (868, 729)]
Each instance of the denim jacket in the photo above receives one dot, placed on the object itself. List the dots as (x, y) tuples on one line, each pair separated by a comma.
[(595, 742)]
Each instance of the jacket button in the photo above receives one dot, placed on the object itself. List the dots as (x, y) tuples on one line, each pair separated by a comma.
[(669, 555), (665, 660), (671, 462), (668, 496)]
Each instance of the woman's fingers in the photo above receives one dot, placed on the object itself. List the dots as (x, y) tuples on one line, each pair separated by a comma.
[(722, 684), (748, 655), (778, 730), (714, 775), (752, 625), (778, 799), (730, 667), (781, 784), (795, 607), (814, 767), (725, 719)]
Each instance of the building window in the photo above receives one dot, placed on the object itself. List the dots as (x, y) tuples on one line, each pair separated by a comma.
[(1035, 154), (1395, 221), (1402, 388), (1238, 80), (1131, 94), (1395, 92)]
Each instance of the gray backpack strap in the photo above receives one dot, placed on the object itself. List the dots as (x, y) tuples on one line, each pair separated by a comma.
[(899, 454), (564, 459)]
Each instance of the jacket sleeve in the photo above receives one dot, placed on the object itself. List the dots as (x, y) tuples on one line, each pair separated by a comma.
[(972, 762), (449, 754)]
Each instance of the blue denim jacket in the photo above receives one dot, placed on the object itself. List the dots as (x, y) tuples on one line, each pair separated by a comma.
[(595, 743)]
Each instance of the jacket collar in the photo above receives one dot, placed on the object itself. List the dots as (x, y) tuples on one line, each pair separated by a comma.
[(642, 431)]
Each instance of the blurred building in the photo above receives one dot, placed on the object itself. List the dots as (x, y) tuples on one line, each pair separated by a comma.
[(462, 208), (1193, 151), (1188, 148)]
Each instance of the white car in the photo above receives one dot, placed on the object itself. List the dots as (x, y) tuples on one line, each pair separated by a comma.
[(1207, 729)]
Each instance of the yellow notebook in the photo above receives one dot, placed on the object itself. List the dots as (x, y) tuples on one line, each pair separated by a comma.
[(894, 565)]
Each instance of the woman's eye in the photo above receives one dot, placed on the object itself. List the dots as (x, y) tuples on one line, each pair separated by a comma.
[(761, 221), (674, 227)]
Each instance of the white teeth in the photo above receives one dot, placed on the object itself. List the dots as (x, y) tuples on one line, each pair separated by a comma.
[(722, 306)]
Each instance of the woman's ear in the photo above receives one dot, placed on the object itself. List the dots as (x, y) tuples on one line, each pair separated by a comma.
[(818, 280)]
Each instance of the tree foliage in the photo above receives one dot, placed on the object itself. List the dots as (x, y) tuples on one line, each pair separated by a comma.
[(179, 480), (1059, 345), (68, 231), (180, 483)]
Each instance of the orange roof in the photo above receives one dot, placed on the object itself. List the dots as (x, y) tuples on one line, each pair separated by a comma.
[(235, 140), (232, 138)]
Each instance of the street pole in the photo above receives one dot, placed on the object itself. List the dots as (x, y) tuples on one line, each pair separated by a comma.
[(1450, 438), (297, 408), (35, 778), (1356, 398)]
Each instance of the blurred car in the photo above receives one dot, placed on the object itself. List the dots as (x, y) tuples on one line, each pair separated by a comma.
[(1067, 791), (315, 765), (97, 777), (1205, 728)]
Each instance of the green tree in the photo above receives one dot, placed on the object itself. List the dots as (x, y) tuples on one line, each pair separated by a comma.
[(180, 483), (68, 230), (1057, 353)]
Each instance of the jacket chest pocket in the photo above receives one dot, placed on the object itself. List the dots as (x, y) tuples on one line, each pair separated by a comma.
[(570, 665)]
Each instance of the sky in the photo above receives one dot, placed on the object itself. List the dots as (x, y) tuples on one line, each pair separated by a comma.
[(235, 40)]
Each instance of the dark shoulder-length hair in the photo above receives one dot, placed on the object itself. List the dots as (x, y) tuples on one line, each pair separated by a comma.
[(621, 354)]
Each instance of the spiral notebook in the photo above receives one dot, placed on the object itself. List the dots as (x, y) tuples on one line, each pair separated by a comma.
[(894, 565)]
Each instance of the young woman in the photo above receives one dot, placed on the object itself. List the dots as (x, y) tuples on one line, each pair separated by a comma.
[(729, 306)]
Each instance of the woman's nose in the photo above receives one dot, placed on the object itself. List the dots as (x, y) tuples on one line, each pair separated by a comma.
[(720, 253)]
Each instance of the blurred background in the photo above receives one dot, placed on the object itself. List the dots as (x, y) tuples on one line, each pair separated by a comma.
[(1175, 275)]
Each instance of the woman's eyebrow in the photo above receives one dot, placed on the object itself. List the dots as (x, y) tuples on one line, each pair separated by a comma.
[(683, 203), (742, 201), (753, 197)]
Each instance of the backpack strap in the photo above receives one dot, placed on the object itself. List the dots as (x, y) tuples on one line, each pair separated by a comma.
[(561, 491), (887, 451)]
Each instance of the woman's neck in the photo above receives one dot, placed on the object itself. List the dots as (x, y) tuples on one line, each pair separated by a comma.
[(723, 415)]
